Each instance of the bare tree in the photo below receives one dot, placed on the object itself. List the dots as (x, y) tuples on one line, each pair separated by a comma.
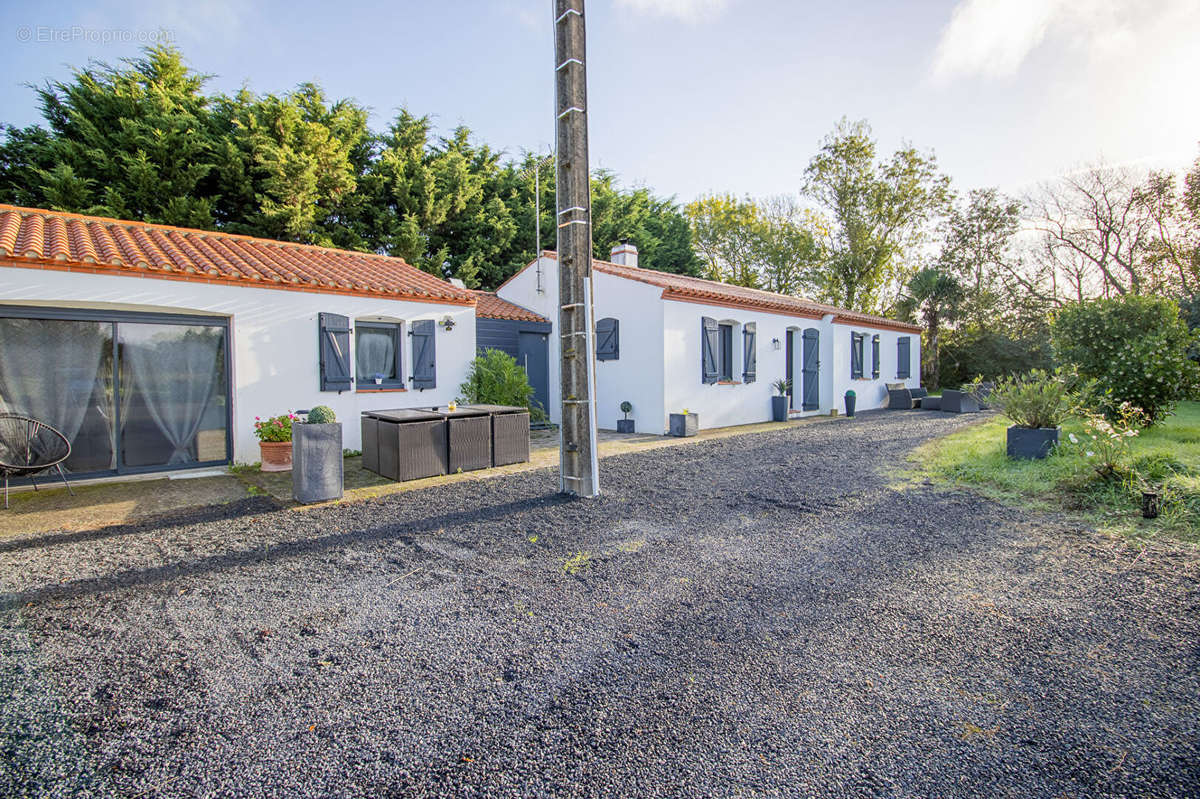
[(1096, 225)]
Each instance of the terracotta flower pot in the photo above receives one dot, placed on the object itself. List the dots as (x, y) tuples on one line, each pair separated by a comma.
[(276, 456)]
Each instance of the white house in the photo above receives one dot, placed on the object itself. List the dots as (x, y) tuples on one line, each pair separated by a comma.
[(155, 348), (667, 343)]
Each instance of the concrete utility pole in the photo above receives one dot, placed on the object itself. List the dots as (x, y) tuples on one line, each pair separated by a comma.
[(578, 468)]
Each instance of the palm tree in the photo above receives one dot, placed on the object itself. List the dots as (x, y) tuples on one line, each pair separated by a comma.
[(937, 296)]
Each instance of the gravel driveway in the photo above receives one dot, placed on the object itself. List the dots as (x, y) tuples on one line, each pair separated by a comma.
[(752, 616)]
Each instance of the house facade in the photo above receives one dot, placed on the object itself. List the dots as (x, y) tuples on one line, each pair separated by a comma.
[(668, 343), (155, 348)]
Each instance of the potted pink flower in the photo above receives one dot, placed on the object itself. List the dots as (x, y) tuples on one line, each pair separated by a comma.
[(275, 441)]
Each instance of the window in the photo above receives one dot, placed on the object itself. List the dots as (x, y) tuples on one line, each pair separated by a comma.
[(904, 357), (875, 356), (726, 352), (608, 339), (377, 355), (718, 357), (131, 392), (856, 355)]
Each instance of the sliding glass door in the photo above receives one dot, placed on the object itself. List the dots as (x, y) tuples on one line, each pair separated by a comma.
[(131, 392)]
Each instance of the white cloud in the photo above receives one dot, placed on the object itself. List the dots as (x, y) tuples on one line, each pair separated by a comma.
[(686, 10), (993, 38)]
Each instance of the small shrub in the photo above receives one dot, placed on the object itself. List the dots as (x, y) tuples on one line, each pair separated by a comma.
[(1038, 399), (322, 414), (276, 428), (1106, 444), (1135, 348), (495, 378)]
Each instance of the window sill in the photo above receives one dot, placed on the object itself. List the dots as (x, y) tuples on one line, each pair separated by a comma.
[(379, 390), (729, 382)]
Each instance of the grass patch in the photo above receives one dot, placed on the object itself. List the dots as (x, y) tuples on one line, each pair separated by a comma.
[(1167, 456), (576, 563)]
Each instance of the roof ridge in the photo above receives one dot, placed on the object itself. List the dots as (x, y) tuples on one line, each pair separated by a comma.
[(730, 290), (27, 210)]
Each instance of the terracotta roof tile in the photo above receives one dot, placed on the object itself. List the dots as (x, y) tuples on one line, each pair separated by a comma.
[(489, 306), (33, 237), (695, 289)]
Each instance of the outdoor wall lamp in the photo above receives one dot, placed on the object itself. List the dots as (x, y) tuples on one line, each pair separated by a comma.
[(447, 323), (775, 343)]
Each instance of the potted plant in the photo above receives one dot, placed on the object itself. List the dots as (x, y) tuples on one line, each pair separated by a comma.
[(275, 441), (625, 425), (850, 399), (379, 378), (1036, 404), (317, 457), (779, 402), (685, 424)]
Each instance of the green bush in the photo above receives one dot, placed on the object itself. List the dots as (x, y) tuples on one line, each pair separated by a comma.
[(1038, 399), (992, 353), (1134, 348), (495, 378), (322, 414)]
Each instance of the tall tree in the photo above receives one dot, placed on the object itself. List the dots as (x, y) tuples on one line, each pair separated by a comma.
[(881, 214), (1097, 229), (129, 141), (936, 296), (977, 250), (771, 244)]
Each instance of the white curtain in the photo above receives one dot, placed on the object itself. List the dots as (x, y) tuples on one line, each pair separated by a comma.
[(374, 354), (51, 369), (174, 369)]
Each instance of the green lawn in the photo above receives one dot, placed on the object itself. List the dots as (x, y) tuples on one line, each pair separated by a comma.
[(1166, 456)]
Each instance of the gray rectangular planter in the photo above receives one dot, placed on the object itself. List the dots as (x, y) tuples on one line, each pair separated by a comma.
[(779, 408), (685, 424), (625, 426), (1028, 443), (317, 472)]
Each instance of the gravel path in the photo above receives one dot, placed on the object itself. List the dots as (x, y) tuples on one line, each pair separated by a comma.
[(753, 616)]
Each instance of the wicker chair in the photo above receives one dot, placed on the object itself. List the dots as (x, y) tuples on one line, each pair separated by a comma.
[(27, 447)]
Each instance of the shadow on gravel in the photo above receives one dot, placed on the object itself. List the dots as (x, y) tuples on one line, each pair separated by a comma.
[(404, 533), (251, 506)]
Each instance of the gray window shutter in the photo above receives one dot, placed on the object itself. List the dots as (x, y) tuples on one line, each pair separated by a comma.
[(856, 355), (875, 356), (710, 345), (423, 358), (749, 352), (334, 342), (903, 357), (608, 339)]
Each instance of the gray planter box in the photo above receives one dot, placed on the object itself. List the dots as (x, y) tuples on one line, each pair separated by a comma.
[(931, 403), (779, 409), (625, 426), (1029, 443), (317, 462), (685, 424)]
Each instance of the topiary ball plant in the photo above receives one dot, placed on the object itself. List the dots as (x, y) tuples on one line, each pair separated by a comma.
[(322, 414), (626, 407)]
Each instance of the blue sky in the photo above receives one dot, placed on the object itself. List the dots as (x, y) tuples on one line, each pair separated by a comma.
[(693, 96)]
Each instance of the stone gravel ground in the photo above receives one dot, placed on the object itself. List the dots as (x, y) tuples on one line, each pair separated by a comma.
[(751, 616)]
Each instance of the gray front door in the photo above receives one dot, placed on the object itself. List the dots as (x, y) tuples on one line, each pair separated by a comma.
[(811, 370), (533, 353)]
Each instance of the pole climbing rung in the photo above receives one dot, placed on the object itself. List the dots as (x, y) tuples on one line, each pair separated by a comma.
[(572, 210), (569, 110), (564, 14), (568, 61)]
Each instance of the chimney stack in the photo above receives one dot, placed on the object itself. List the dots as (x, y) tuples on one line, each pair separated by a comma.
[(625, 253)]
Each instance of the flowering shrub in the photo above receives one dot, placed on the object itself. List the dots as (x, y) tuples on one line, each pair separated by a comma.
[(1038, 399), (1106, 443), (276, 428), (1135, 348)]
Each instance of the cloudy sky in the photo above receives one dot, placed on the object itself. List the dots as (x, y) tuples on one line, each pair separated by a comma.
[(692, 96)]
